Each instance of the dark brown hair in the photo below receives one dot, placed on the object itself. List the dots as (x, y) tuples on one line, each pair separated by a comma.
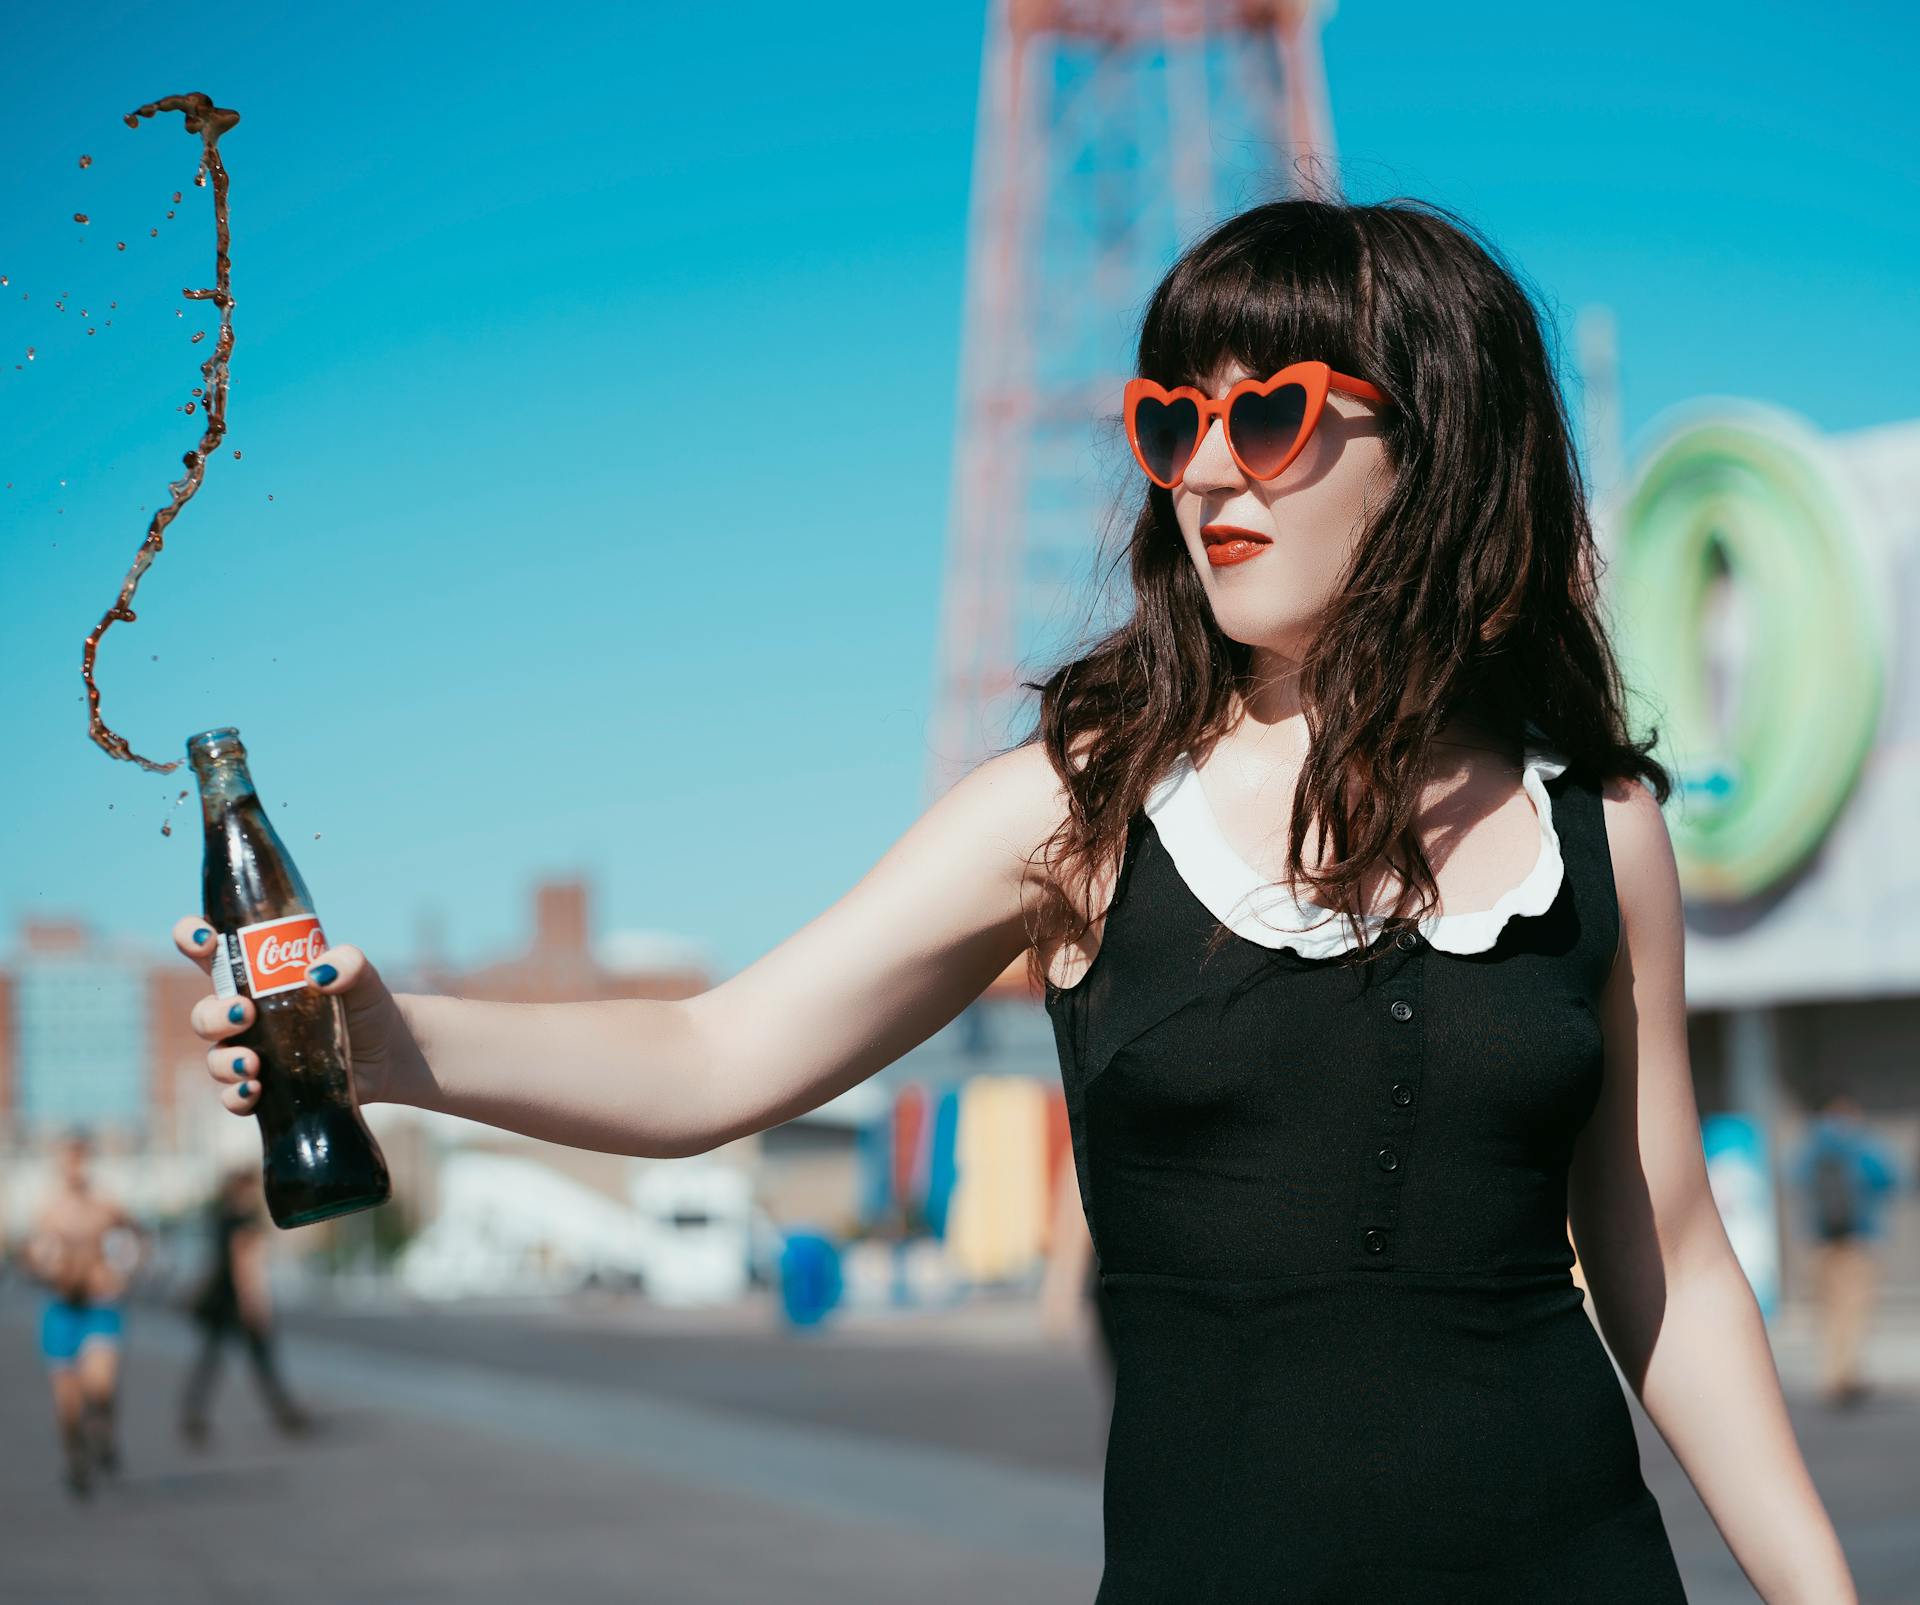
[(1473, 587)]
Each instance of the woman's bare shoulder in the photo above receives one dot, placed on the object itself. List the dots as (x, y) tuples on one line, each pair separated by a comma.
[(1638, 841), (1021, 797), (1042, 808), (1646, 877)]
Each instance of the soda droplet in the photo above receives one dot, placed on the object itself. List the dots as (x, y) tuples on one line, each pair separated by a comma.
[(119, 245), (189, 407), (29, 353), (200, 179), (169, 214), (3, 278), (86, 161), (198, 336), (111, 305), (236, 456), (178, 313), (269, 495), (176, 198), (316, 835), (198, 391), (79, 217), (166, 827), (153, 234), (89, 331)]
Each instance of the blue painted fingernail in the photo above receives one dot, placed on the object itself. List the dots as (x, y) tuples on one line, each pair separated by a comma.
[(324, 974), (246, 1089), (237, 1013), (239, 1064), (201, 935)]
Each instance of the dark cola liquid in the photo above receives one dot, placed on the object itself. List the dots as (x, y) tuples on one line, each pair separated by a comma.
[(319, 1159), (208, 122)]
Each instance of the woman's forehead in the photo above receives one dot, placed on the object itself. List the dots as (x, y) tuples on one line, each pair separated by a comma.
[(1225, 373)]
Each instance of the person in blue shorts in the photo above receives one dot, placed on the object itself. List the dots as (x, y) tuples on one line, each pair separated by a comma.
[(83, 1246)]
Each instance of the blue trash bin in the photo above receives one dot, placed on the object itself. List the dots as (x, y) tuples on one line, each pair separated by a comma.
[(810, 1282)]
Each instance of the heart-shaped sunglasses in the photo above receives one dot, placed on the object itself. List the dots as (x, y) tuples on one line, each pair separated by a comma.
[(1266, 421)]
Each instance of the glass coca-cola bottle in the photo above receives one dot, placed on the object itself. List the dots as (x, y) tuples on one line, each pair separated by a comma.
[(319, 1158)]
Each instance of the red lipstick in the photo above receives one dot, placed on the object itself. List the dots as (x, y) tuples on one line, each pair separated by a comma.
[(1232, 543)]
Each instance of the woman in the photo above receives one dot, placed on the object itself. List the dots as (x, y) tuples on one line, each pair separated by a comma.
[(1361, 936)]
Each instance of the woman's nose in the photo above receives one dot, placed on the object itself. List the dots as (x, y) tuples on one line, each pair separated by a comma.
[(1212, 467)]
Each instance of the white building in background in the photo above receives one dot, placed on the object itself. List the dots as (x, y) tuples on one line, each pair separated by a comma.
[(79, 1033), (509, 1224)]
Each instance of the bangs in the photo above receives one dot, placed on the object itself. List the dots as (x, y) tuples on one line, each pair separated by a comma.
[(1275, 285)]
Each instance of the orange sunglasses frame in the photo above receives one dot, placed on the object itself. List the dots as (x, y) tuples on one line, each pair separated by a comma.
[(1314, 377)]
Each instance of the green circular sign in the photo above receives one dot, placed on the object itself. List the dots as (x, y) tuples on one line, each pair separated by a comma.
[(1749, 614)]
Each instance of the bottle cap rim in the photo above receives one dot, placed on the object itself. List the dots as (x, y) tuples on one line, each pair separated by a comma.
[(224, 736)]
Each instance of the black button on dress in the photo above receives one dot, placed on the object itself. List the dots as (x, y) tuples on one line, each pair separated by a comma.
[(1329, 1209)]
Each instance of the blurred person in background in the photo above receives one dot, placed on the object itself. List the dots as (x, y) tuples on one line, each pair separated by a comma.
[(1847, 1178), (83, 1246), (1365, 674), (234, 1302)]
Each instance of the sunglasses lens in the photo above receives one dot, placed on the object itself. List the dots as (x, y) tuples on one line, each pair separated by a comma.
[(1264, 428), (1167, 432)]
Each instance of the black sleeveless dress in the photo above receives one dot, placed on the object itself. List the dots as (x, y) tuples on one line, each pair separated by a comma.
[(1329, 1207)]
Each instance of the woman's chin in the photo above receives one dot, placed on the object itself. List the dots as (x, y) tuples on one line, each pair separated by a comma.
[(1284, 636)]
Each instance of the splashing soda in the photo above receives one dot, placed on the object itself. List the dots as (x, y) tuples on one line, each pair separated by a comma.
[(209, 121), (166, 825)]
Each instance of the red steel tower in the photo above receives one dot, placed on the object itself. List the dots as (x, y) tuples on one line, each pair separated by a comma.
[(1110, 132)]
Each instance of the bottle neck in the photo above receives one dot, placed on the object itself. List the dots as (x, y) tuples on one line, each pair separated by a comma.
[(224, 782)]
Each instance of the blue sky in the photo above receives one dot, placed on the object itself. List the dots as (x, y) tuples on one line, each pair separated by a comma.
[(515, 607)]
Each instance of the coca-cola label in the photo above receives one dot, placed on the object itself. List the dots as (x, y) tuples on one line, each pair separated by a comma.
[(275, 954)]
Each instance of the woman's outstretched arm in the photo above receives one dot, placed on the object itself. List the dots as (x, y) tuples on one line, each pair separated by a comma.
[(921, 935), (1669, 1295)]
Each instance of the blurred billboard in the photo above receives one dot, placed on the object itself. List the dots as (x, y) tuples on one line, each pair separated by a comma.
[(1765, 587)]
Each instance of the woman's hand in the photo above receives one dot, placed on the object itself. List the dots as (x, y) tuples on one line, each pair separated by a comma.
[(383, 1046)]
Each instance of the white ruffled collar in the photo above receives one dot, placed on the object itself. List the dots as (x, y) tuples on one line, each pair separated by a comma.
[(1266, 912)]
